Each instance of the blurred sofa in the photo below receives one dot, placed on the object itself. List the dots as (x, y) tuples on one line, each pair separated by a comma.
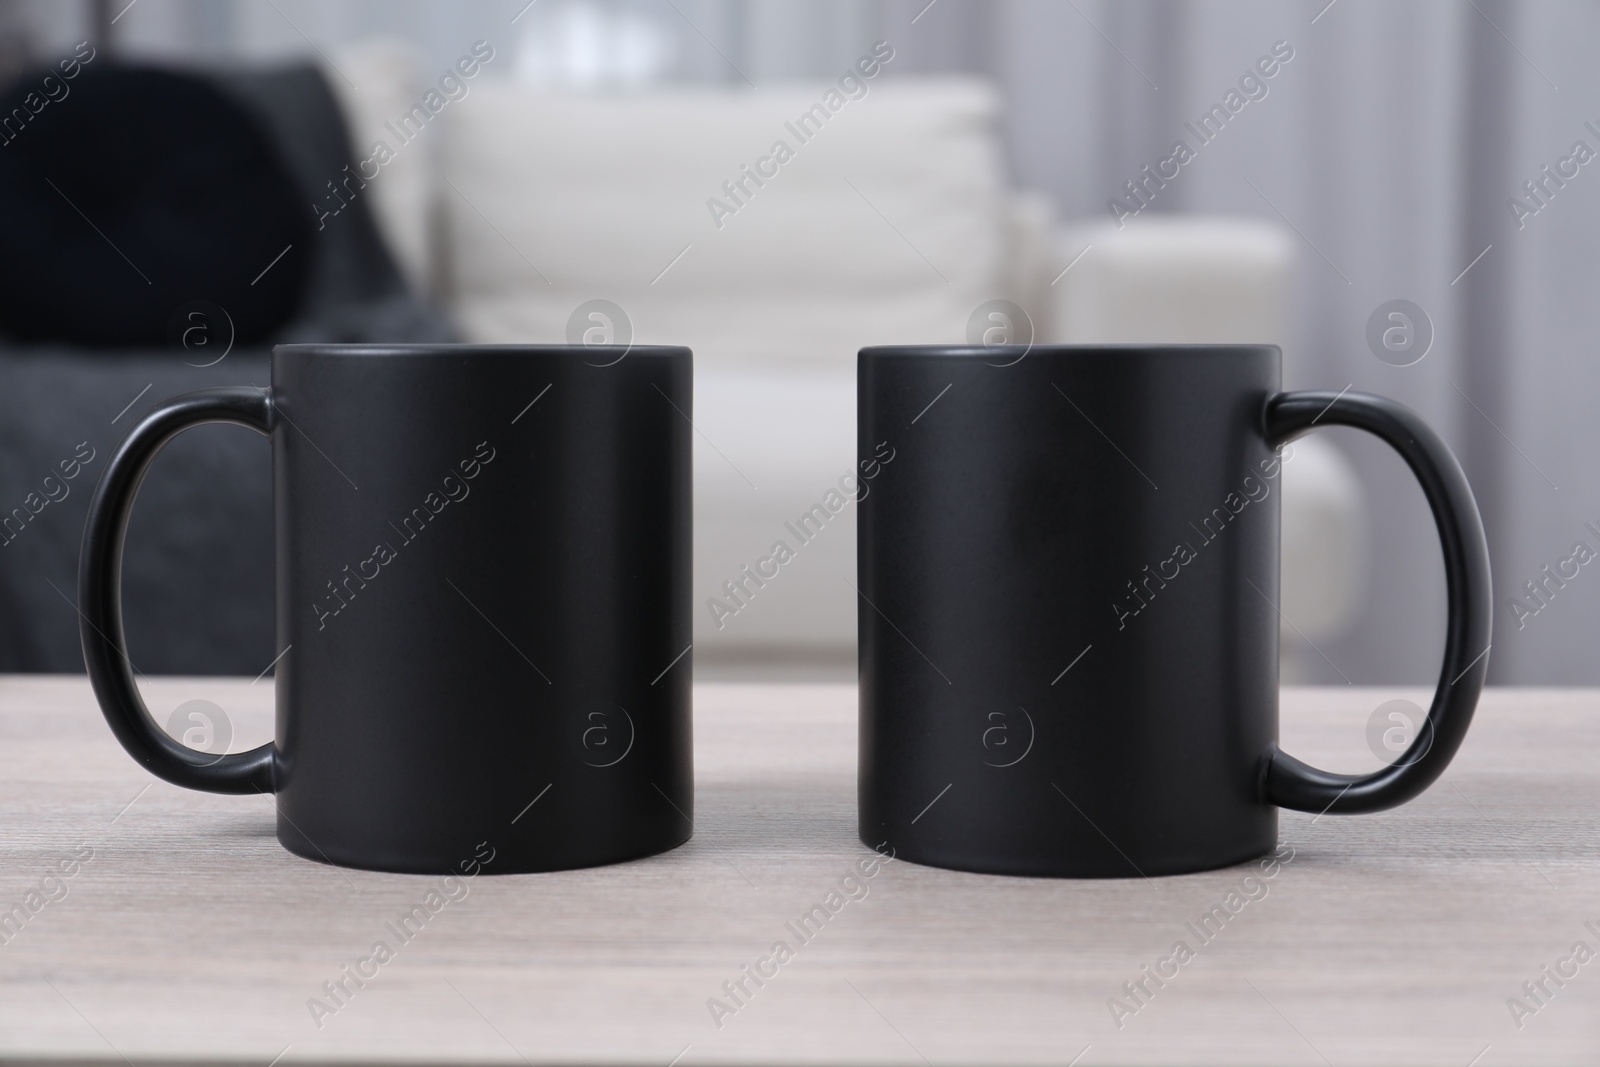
[(515, 209), (893, 222)]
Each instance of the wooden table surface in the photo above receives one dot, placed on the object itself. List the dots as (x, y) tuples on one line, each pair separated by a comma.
[(188, 934)]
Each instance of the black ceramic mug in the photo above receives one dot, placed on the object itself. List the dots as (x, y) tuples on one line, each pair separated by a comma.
[(1069, 615), (482, 602)]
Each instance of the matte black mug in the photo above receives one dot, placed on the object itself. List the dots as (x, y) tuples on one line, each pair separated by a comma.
[(482, 603), (1068, 607)]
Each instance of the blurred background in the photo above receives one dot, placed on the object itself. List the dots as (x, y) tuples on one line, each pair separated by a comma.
[(1399, 195)]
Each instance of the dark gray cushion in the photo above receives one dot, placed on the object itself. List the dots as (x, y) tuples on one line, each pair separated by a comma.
[(110, 209), (198, 572)]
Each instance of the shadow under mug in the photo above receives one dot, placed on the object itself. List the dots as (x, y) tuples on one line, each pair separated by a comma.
[(482, 559), (1069, 607)]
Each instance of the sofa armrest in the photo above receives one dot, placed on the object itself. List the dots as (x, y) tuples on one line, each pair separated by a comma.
[(1172, 279)]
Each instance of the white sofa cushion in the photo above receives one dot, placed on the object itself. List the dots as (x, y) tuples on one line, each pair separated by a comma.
[(887, 225), (1176, 279)]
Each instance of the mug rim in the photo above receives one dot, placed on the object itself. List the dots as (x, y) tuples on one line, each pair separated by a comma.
[(454, 349), (963, 351)]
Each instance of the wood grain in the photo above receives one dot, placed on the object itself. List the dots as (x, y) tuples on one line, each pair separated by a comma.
[(1396, 938)]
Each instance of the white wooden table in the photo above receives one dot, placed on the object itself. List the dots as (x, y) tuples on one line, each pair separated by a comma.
[(190, 935)]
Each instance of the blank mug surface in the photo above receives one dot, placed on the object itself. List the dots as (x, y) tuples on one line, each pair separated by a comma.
[(482, 600), (1068, 623)]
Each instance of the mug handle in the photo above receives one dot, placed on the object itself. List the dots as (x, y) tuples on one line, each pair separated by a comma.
[(1286, 781), (100, 595)]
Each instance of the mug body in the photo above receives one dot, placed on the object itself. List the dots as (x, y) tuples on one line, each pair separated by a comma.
[(482, 598), (1068, 575)]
